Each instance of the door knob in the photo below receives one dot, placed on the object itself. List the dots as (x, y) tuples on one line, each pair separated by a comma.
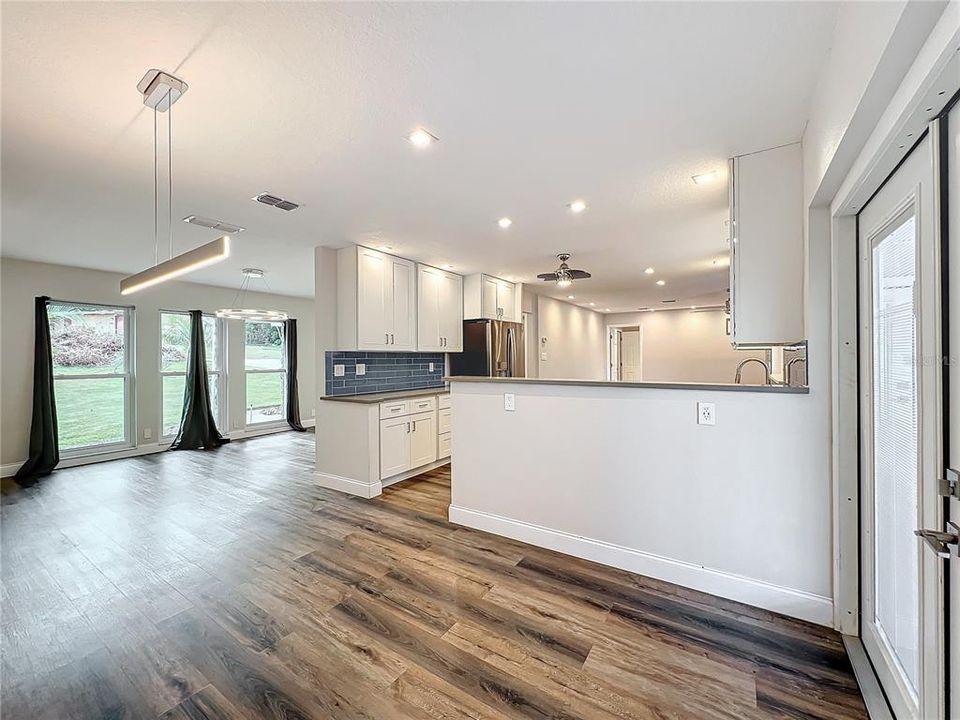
[(940, 542)]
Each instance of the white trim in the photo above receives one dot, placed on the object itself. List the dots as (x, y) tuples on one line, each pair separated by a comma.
[(271, 429), (787, 601), (348, 485), (873, 697), (10, 469)]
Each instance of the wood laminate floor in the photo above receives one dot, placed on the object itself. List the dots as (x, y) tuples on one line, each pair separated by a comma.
[(228, 585)]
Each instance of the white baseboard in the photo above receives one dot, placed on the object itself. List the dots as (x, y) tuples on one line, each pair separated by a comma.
[(787, 601), (10, 469), (348, 485)]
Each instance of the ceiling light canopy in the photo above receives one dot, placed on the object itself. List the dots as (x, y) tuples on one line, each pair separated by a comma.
[(239, 312), (504, 222), (421, 138), (705, 178), (577, 206)]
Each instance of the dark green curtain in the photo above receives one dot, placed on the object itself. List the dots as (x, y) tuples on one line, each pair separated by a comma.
[(293, 394), (197, 427), (44, 440)]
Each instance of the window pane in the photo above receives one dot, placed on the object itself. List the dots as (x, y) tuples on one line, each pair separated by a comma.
[(265, 397), (264, 346), (86, 339), (90, 411), (175, 341), (173, 386)]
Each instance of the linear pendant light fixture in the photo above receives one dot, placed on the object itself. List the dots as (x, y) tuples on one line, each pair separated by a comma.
[(160, 91)]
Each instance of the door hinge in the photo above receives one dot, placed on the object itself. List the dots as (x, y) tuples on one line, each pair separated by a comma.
[(950, 485)]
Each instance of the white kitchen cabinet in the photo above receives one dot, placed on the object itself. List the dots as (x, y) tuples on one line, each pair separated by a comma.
[(490, 298), (395, 446), (439, 310), (423, 439), (376, 298), (766, 247)]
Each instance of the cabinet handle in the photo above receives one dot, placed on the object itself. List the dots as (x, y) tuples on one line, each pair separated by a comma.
[(414, 425), (387, 340), (408, 428), (393, 340)]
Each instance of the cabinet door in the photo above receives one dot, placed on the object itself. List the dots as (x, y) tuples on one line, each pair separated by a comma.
[(489, 301), (403, 310), (451, 312), (423, 439), (429, 308), (395, 446), (506, 296), (373, 299)]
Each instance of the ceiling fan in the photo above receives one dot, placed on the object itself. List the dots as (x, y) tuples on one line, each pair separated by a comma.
[(563, 275)]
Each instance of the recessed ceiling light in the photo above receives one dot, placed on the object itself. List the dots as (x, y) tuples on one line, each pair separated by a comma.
[(577, 206), (420, 138), (661, 283), (706, 178), (606, 309), (592, 304), (504, 222), (693, 307), (571, 297), (649, 271)]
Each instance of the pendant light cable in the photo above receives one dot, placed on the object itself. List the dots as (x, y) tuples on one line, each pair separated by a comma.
[(170, 174), (156, 197)]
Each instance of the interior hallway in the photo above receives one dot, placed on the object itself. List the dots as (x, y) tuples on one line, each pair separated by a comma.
[(227, 584)]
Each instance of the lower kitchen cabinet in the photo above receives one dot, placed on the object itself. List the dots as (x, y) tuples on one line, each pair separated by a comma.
[(364, 445)]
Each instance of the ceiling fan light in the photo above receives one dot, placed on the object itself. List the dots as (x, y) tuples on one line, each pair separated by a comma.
[(564, 282)]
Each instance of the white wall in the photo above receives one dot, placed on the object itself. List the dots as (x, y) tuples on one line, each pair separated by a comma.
[(22, 281), (686, 346), (626, 477), (576, 341)]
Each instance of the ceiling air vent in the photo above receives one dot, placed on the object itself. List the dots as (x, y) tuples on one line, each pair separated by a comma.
[(669, 301), (277, 202), (206, 222)]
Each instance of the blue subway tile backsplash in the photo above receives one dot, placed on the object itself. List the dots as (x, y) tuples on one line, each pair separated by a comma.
[(385, 372)]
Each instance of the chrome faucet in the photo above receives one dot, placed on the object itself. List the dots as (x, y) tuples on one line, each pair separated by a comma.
[(766, 370), (790, 368)]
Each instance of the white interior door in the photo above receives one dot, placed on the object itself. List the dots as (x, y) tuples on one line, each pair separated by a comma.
[(952, 351), (613, 359), (630, 370), (901, 582)]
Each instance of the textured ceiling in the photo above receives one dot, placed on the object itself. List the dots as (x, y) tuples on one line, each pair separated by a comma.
[(534, 104)]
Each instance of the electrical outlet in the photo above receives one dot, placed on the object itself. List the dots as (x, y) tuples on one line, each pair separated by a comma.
[(147, 433), (543, 356), (313, 412), (509, 402), (338, 370), (431, 367), (706, 413), (361, 369)]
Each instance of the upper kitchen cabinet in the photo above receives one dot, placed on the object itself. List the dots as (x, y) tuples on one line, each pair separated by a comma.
[(489, 298), (376, 298), (439, 310), (766, 247)]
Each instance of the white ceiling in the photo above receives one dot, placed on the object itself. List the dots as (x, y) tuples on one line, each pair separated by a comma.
[(534, 104)]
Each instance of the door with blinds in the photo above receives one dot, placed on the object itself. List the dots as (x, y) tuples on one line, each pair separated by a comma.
[(900, 410)]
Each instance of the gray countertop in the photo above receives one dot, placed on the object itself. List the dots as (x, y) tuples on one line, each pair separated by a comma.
[(783, 389), (371, 398)]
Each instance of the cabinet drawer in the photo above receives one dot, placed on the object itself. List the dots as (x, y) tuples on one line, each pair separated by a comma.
[(443, 401), (422, 404), (394, 408), (443, 425), (443, 445)]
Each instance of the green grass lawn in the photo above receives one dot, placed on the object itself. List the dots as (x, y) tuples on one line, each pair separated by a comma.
[(90, 412)]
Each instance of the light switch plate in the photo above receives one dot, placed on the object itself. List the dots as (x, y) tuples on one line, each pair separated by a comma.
[(361, 369), (706, 413), (338, 370), (509, 402)]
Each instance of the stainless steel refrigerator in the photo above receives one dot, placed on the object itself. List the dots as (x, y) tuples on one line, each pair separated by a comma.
[(491, 348)]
